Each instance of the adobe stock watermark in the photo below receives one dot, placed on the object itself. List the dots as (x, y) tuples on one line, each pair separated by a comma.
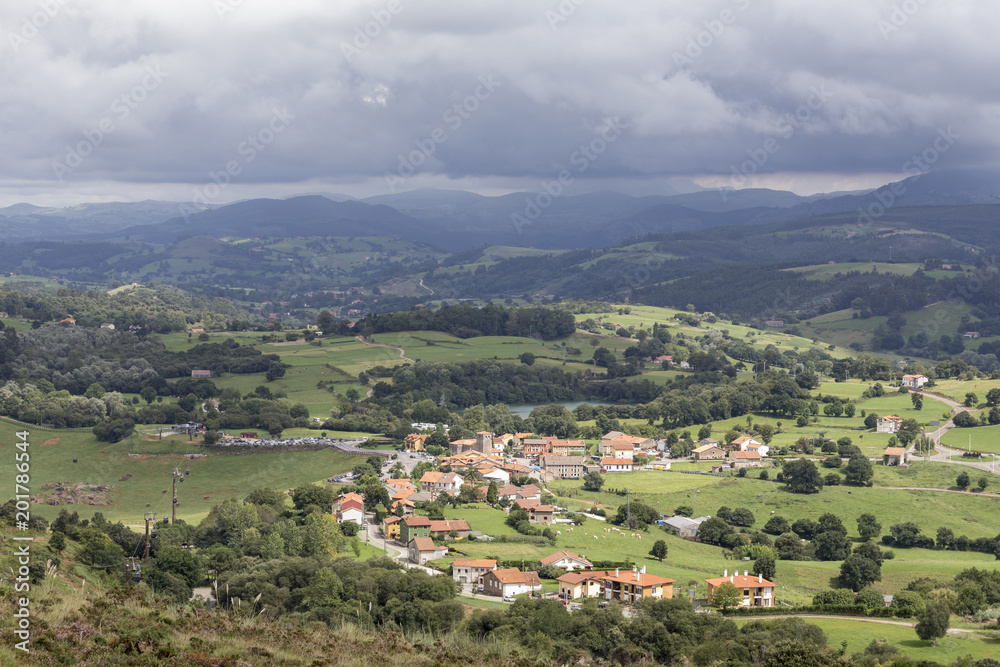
[(581, 159), (246, 152), (787, 127), (899, 16), (917, 165), (562, 12), (453, 117), (121, 108), (369, 31), (712, 29), (33, 24)]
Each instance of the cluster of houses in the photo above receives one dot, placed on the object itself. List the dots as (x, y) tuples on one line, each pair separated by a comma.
[(743, 452), (582, 581)]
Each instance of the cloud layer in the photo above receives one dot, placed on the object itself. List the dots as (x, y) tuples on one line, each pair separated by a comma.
[(106, 98)]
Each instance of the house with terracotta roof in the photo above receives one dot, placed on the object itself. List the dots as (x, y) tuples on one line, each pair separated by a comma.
[(756, 591), (510, 582), (616, 465), (635, 585), (422, 549), (350, 508), (408, 506), (618, 449), (390, 527), (567, 560), (568, 447), (744, 459), (536, 446), (470, 570), (583, 584), (526, 492), (894, 456), (414, 526), (441, 482), (918, 381), (443, 529), (201, 374), (888, 424), (414, 442), (541, 514)]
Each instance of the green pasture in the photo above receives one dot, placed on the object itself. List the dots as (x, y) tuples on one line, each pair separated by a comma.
[(983, 438), (828, 271), (213, 478)]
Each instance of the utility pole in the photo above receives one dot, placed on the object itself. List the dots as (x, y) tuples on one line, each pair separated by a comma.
[(149, 516), (173, 508), (628, 507)]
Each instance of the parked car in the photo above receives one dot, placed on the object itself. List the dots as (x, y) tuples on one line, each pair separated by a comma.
[(602, 604), (508, 598)]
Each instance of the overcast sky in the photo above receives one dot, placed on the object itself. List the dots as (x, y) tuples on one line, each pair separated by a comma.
[(122, 100)]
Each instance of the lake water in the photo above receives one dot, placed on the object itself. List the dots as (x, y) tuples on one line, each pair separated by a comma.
[(525, 409)]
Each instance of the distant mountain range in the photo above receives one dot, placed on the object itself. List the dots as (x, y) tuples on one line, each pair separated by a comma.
[(455, 219)]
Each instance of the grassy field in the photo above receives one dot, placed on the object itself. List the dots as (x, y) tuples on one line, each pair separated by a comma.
[(859, 634), (828, 271), (213, 478), (983, 439)]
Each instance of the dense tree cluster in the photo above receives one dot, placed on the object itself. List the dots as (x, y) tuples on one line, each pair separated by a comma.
[(467, 321)]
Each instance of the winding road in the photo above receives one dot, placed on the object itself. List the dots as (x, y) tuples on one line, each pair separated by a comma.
[(943, 453)]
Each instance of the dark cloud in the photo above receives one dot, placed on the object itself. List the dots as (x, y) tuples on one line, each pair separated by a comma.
[(150, 99)]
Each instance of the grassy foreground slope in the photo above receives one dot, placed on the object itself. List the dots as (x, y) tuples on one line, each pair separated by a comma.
[(215, 476)]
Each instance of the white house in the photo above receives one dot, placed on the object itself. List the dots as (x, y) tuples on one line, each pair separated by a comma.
[(567, 560), (915, 381), (616, 465), (510, 582), (888, 424), (444, 482)]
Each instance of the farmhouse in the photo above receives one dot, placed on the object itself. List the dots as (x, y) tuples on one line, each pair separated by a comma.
[(888, 424), (707, 452), (894, 456), (744, 459), (567, 560), (756, 590), (915, 381), (510, 582), (469, 570), (537, 513), (201, 374)]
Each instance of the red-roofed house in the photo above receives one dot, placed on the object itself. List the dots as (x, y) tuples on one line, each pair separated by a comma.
[(744, 459), (635, 585), (442, 529), (894, 456), (756, 590), (888, 424), (350, 508), (510, 582), (422, 549)]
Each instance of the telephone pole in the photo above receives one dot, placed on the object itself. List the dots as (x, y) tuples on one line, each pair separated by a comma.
[(149, 516), (173, 508)]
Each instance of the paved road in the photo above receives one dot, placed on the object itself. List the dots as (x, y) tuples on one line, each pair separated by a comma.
[(943, 453)]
